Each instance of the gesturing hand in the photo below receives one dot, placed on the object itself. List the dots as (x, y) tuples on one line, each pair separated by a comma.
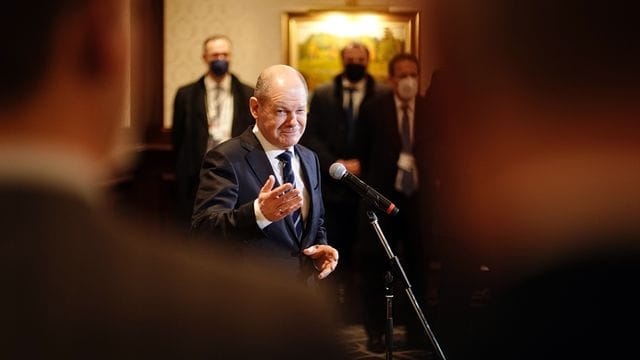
[(277, 203), (325, 259)]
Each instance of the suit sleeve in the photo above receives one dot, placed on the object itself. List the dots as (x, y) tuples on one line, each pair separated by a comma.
[(218, 211)]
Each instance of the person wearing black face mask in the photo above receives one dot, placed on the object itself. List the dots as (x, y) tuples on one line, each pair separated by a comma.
[(355, 72), (331, 125), (219, 67), (206, 113)]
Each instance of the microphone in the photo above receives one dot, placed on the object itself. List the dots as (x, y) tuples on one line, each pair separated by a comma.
[(369, 194)]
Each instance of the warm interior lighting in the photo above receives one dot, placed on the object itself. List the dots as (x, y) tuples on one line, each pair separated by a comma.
[(351, 26)]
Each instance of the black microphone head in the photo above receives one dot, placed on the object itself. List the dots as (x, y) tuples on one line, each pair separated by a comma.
[(337, 171)]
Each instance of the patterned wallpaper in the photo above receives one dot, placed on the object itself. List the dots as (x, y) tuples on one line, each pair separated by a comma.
[(254, 27)]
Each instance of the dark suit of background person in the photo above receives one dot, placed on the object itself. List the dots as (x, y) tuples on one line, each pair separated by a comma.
[(407, 232), (77, 282), (190, 133), (331, 136), (549, 148), (234, 173)]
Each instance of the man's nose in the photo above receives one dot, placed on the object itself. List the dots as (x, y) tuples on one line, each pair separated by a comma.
[(291, 118)]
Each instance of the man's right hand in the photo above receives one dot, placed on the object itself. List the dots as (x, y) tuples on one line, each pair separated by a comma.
[(277, 203)]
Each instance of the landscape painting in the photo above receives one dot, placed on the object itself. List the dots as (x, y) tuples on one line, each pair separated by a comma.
[(314, 40)]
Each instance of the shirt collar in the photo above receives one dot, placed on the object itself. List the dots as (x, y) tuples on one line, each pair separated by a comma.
[(358, 86)]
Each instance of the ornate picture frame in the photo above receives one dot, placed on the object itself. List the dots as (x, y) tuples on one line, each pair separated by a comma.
[(312, 40)]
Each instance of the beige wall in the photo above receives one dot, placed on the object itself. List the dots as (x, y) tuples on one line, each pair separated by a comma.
[(254, 26)]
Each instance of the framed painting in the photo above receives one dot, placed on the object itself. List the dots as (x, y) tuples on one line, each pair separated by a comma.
[(312, 40)]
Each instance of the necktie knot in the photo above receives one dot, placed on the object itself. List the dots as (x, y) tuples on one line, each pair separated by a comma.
[(287, 169), (285, 156)]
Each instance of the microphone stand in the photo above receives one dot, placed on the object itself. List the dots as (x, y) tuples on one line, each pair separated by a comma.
[(388, 295), (397, 269)]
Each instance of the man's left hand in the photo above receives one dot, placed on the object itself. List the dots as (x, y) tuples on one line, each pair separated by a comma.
[(325, 259)]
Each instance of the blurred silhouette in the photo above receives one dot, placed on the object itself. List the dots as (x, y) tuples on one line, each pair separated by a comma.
[(541, 104), (76, 282), (205, 113)]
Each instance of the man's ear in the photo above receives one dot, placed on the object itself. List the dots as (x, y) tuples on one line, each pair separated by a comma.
[(254, 106)]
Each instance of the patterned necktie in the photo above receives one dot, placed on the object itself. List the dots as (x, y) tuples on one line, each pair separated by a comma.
[(289, 177), (408, 185)]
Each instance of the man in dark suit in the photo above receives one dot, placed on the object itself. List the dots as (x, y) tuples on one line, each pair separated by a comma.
[(394, 131), (205, 113), (333, 118), (237, 200), (77, 283)]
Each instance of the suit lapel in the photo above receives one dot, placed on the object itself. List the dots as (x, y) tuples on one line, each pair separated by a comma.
[(390, 116), (310, 177), (201, 105), (306, 161), (256, 157)]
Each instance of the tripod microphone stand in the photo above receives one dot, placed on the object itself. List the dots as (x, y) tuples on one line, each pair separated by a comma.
[(396, 268)]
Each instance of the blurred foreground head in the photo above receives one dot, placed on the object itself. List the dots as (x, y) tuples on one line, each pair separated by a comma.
[(62, 75), (540, 108)]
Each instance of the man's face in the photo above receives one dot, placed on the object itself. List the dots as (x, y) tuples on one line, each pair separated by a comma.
[(218, 49), (403, 69), (355, 55), (282, 117), (405, 79)]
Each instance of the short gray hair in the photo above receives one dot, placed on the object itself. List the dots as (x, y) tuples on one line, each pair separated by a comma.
[(263, 85)]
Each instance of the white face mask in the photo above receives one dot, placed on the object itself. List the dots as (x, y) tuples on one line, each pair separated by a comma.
[(407, 88)]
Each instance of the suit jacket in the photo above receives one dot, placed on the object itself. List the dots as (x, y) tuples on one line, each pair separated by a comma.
[(77, 284), (382, 143), (232, 175), (327, 132), (191, 131)]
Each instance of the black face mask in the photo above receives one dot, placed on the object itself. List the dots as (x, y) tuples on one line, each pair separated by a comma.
[(355, 72), (219, 67)]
